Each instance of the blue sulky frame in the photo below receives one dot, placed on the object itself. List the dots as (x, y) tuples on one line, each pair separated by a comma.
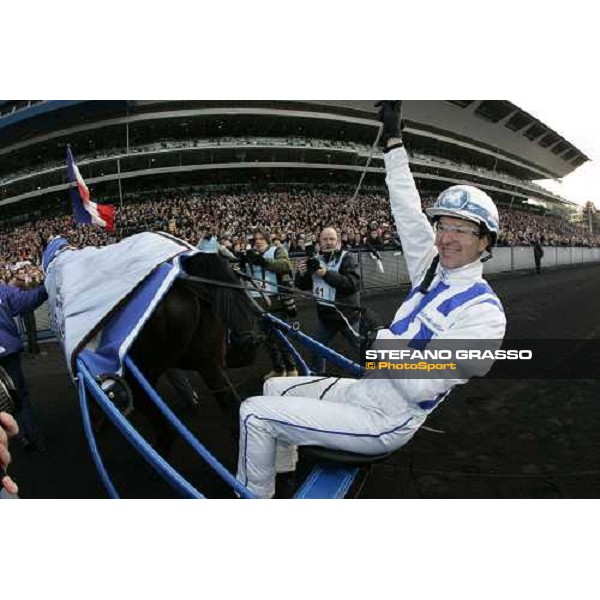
[(324, 481)]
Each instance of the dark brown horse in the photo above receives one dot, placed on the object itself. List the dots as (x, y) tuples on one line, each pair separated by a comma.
[(203, 326)]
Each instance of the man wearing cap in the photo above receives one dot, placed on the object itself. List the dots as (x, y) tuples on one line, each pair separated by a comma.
[(449, 300)]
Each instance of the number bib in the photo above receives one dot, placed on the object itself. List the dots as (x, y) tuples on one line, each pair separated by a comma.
[(322, 291)]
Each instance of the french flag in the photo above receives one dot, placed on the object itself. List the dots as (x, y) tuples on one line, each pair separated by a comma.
[(85, 211)]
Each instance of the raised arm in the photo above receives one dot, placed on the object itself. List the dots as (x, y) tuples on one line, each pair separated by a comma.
[(414, 230)]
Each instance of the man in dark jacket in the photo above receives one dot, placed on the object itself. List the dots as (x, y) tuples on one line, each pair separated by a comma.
[(334, 277), (14, 302), (538, 252)]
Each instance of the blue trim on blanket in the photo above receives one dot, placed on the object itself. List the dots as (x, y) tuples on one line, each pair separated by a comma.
[(106, 357)]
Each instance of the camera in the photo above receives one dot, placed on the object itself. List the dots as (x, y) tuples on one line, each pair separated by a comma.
[(313, 264), (8, 393)]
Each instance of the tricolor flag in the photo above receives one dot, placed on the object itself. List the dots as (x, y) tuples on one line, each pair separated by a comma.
[(85, 211)]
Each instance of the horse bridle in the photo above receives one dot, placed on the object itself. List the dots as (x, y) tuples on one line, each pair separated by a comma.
[(257, 307), (252, 280)]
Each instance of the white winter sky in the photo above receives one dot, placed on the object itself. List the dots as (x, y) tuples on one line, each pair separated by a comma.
[(577, 122)]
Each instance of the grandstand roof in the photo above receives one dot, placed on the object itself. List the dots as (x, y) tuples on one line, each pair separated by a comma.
[(488, 142)]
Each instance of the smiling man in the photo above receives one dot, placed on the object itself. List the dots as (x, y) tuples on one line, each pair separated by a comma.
[(454, 214), (449, 300)]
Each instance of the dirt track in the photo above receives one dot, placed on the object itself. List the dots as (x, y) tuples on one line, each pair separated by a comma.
[(501, 439)]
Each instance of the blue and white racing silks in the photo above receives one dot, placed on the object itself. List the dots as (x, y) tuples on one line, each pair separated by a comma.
[(322, 291), (263, 279), (460, 304), (373, 415)]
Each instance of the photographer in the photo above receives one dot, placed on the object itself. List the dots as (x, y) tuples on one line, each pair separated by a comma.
[(270, 266), (333, 276), (15, 302)]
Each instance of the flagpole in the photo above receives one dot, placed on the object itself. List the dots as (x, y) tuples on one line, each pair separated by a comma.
[(119, 179), (120, 191)]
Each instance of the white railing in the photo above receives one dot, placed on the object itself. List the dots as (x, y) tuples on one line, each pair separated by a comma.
[(506, 259)]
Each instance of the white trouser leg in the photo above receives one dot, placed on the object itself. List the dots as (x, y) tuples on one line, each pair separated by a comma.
[(286, 455), (307, 421), (306, 387)]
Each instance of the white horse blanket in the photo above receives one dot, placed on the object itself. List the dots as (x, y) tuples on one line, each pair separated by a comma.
[(100, 298)]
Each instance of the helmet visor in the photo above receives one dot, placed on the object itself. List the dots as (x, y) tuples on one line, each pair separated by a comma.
[(460, 202)]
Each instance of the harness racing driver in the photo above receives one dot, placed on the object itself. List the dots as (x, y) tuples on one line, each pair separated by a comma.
[(449, 300)]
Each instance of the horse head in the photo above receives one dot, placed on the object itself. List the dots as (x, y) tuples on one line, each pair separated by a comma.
[(213, 277)]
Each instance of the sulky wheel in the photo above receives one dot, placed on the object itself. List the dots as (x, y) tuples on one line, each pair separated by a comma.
[(117, 391)]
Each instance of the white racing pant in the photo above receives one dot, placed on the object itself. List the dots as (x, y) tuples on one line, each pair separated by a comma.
[(310, 411)]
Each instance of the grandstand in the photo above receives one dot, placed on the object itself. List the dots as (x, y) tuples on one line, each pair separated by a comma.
[(124, 148)]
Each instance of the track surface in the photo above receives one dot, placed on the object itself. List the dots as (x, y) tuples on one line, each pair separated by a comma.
[(501, 439)]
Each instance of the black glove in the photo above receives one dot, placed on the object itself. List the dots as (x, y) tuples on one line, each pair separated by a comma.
[(389, 114), (313, 264), (370, 324), (254, 257)]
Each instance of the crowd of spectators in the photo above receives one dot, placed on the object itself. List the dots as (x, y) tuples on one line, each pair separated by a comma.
[(294, 219)]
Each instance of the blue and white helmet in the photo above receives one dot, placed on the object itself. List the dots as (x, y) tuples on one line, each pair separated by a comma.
[(469, 203)]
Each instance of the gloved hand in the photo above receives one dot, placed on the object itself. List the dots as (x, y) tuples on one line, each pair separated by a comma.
[(254, 257), (313, 264), (389, 114)]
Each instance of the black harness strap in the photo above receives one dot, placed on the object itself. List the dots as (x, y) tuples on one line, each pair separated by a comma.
[(329, 387), (424, 287), (297, 385)]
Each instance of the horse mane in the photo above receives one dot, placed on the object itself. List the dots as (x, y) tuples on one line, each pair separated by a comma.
[(231, 305)]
